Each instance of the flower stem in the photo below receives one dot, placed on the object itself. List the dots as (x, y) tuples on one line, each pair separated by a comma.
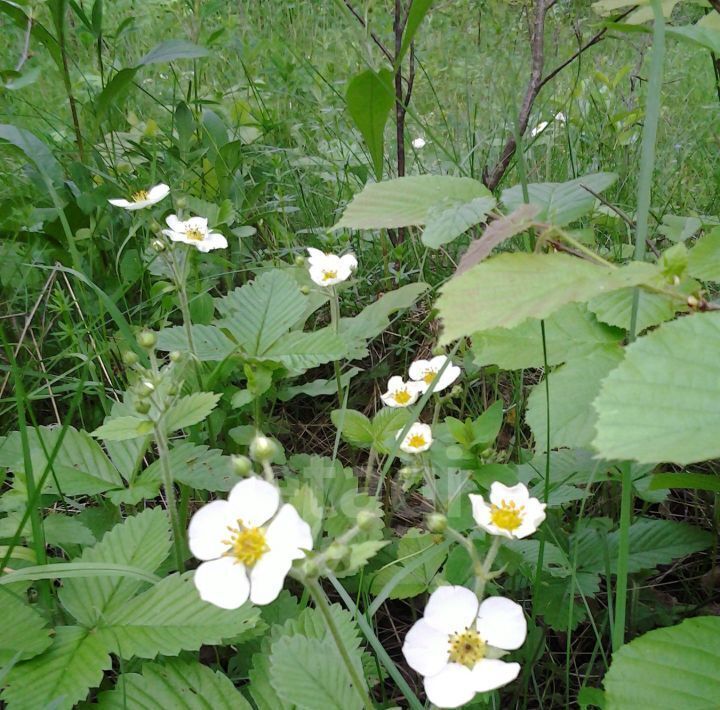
[(335, 322), (621, 572), (321, 604), (484, 576)]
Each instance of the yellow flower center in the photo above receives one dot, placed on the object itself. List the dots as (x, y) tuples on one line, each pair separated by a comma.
[(247, 545), (466, 648), (416, 441), (507, 516), (195, 234), (402, 396), (429, 376), (327, 275), (140, 196)]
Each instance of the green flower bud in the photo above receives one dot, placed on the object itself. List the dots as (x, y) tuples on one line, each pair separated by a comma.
[(242, 465), (181, 203), (142, 406), (130, 358), (436, 522), (311, 568), (175, 356), (158, 245), (336, 552), (147, 339), (365, 520), (262, 448), (299, 260), (304, 290), (144, 388)]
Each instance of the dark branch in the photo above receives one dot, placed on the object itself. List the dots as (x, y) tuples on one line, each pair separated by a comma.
[(373, 36)]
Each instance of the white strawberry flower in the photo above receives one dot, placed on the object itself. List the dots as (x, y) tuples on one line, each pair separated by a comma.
[(457, 645), (247, 545), (511, 512), (330, 269), (401, 393), (418, 439), (143, 198), (426, 371), (194, 231)]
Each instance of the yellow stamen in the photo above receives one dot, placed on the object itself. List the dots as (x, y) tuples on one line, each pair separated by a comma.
[(402, 396), (195, 234), (466, 648), (327, 275), (140, 196), (429, 376), (507, 516), (247, 545), (416, 441)]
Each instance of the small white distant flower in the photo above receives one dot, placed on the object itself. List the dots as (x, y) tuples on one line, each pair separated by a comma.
[(247, 545), (457, 644), (511, 511), (538, 129), (194, 231), (425, 371), (401, 393), (418, 143), (143, 198), (330, 269), (560, 117), (418, 439)]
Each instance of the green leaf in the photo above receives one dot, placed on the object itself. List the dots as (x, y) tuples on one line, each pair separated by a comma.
[(170, 617), (113, 91), (386, 425), (210, 343), (141, 541), (506, 290), (177, 684), (60, 677), (35, 151), (407, 201), (189, 410), (317, 388), (676, 667), (354, 427), (62, 530), (80, 465), (294, 665), (23, 630), (573, 387), (173, 49), (704, 257), (127, 455), (123, 428), (678, 229), (446, 223), (300, 351), (615, 308), (416, 14), (700, 36), (572, 332), (370, 97), (661, 403), (260, 312), (71, 570), (693, 481), (560, 202)]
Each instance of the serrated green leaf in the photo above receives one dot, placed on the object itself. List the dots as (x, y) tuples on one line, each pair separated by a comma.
[(407, 201), (354, 427), (126, 455), (300, 351), (573, 388), (177, 684), (293, 673), (370, 97), (141, 541), (317, 388), (210, 343), (677, 228), (23, 630), (704, 257), (386, 425), (122, 428), (615, 308), (661, 403), (507, 289), (64, 530), (571, 333), (168, 618), (700, 36), (189, 410), (62, 675), (675, 667), (443, 224), (560, 202)]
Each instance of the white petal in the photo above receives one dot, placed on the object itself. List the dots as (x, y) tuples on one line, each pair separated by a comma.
[(451, 609), (214, 240), (438, 361), (223, 583), (288, 532), (451, 687), (491, 673), (518, 494), (316, 256), (254, 501), (533, 517), (452, 372), (174, 223), (349, 261), (501, 623), (317, 274), (417, 370), (120, 203), (157, 193), (199, 223), (425, 648), (480, 510), (395, 382), (208, 528), (267, 577)]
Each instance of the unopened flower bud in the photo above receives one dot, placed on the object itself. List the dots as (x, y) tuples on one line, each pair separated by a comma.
[(147, 339), (311, 568), (262, 448), (144, 388), (693, 302), (175, 356), (142, 406), (130, 358), (158, 245), (242, 465), (336, 552), (365, 520), (304, 290), (436, 522), (181, 203), (155, 226), (299, 260), (172, 390)]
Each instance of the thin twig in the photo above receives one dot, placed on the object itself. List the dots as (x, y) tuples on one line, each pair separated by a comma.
[(373, 36)]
